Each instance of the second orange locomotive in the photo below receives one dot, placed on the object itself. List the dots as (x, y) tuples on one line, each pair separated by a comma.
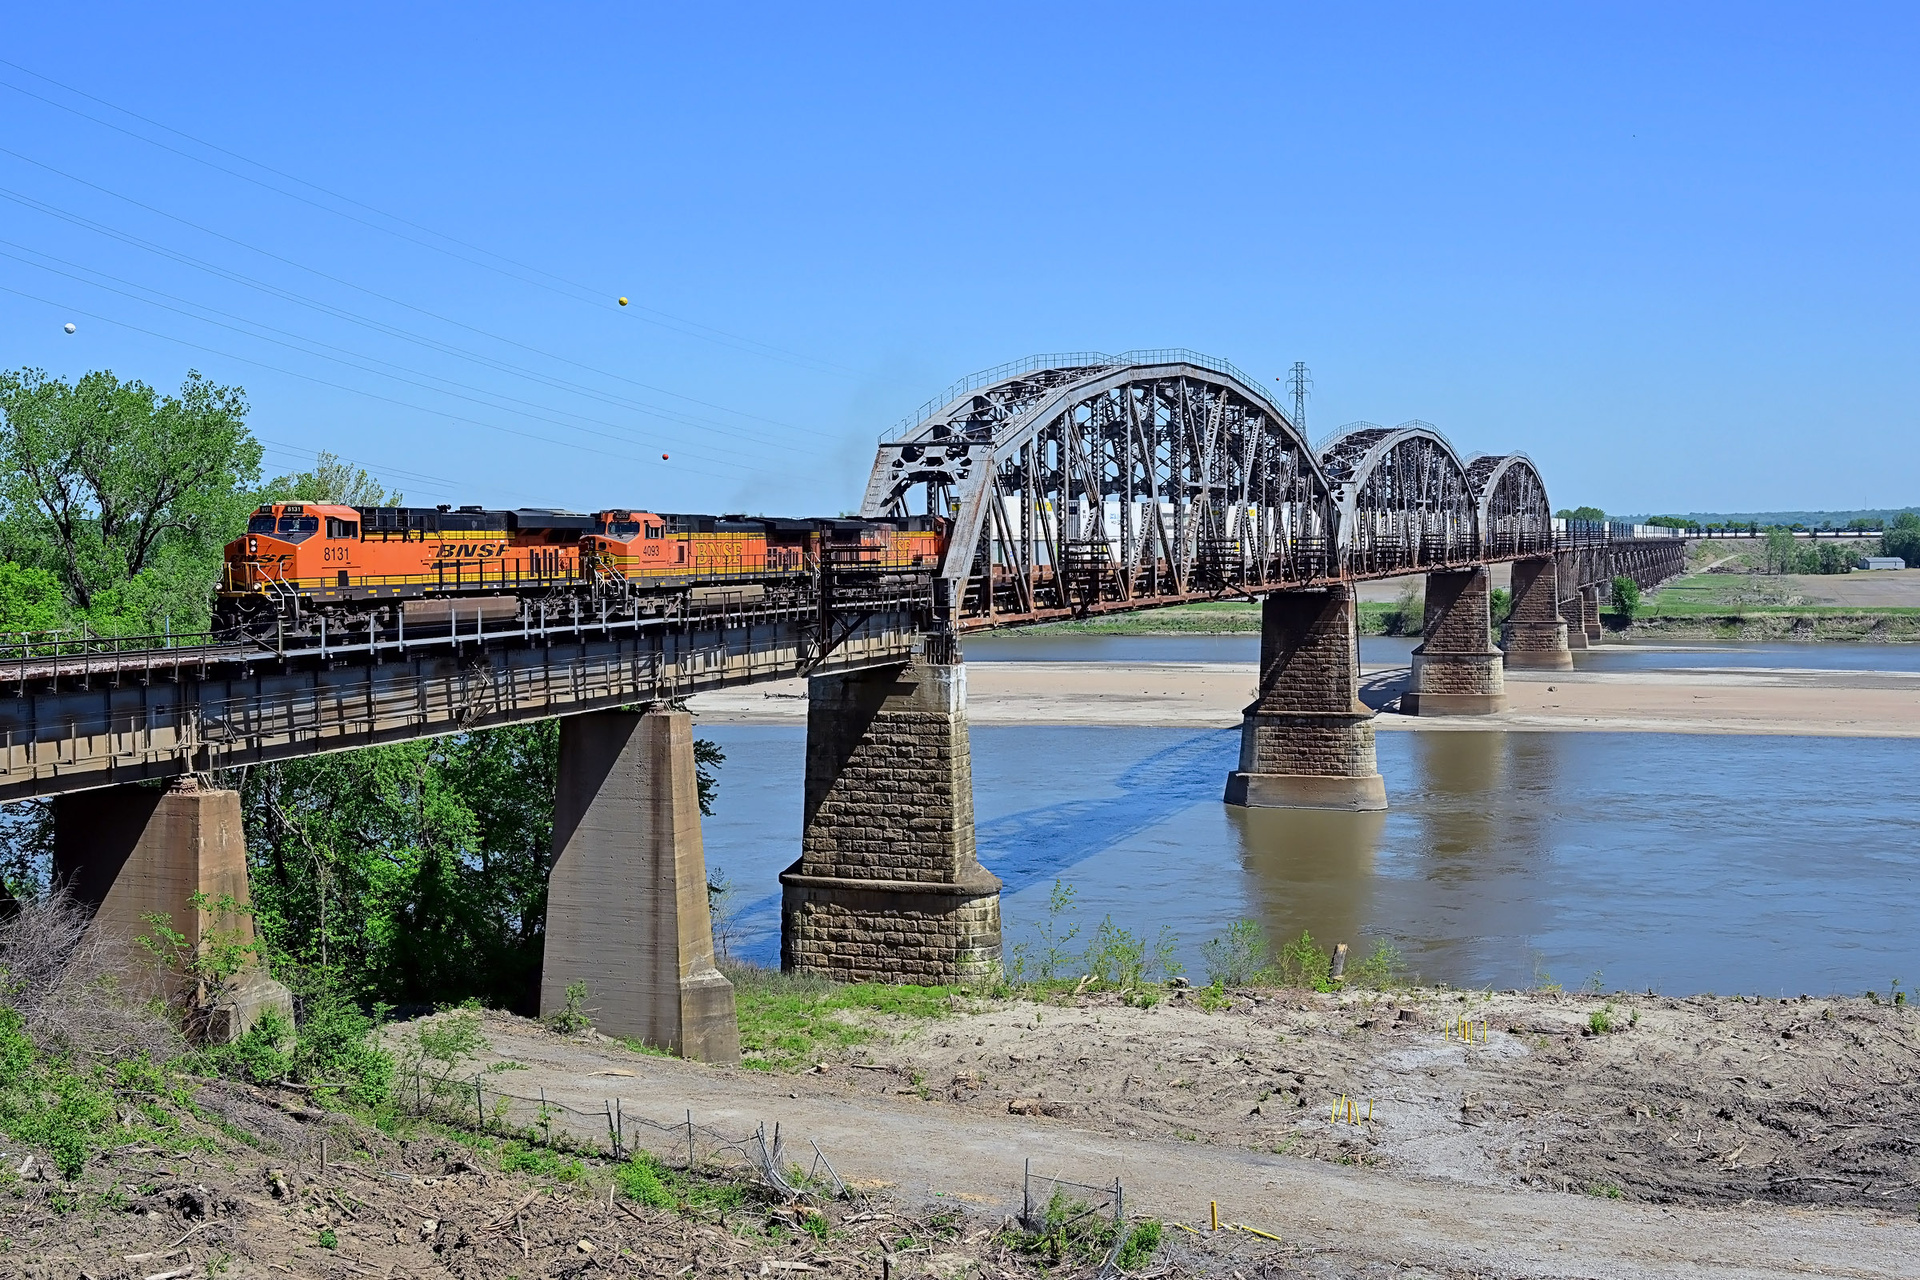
[(302, 562)]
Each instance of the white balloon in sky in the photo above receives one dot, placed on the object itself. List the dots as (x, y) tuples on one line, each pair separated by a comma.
[(70, 326)]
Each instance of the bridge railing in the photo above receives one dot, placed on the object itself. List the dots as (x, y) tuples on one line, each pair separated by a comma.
[(74, 642)]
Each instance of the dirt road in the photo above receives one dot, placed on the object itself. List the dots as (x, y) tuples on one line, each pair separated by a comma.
[(882, 1124)]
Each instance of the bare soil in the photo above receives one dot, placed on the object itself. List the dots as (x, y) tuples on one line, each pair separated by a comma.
[(1492, 1135), (436, 1205), (1684, 1101)]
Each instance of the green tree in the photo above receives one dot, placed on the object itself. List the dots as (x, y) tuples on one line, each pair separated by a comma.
[(415, 874), (1626, 595), (1902, 538), (1581, 513), (30, 599), (332, 480), (1779, 549), (126, 495)]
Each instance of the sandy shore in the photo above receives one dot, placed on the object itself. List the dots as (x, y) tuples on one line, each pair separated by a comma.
[(1794, 701)]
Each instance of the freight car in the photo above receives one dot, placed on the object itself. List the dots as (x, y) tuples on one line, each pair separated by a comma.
[(424, 568)]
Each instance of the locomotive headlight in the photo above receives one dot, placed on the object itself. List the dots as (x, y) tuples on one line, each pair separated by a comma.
[(253, 546)]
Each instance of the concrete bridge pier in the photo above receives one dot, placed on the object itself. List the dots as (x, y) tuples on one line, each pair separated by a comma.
[(1535, 633), (1456, 670), (130, 852), (1306, 742), (627, 896), (888, 888)]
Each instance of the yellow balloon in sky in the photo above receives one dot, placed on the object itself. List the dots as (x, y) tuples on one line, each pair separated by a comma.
[(623, 302)]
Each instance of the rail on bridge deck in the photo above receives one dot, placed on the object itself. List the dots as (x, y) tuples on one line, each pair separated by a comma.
[(1085, 483)]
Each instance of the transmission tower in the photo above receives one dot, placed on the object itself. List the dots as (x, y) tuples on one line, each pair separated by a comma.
[(1298, 384)]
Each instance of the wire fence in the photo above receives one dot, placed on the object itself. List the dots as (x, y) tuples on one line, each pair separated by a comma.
[(697, 1148)]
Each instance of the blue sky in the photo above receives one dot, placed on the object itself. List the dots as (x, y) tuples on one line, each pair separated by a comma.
[(1667, 250)]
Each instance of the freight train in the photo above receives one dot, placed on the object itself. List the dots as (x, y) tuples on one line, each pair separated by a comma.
[(302, 566)]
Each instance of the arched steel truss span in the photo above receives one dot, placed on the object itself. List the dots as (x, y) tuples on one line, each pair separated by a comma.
[(1514, 516), (1405, 500), (1088, 483), (1111, 482)]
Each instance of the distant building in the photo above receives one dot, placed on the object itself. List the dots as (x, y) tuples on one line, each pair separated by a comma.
[(1884, 562)]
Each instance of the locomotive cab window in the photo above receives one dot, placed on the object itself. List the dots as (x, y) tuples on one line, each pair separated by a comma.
[(287, 528), (623, 530), (656, 531), (342, 528)]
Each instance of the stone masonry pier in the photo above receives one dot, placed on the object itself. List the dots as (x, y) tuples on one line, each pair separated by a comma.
[(1307, 741), (1456, 669), (1535, 633), (888, 888)]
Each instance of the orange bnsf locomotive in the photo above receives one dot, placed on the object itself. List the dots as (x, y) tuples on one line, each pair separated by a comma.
[(302, 564)]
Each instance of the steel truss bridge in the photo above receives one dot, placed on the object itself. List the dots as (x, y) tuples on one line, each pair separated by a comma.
[(1078, 485), (1084, 484)]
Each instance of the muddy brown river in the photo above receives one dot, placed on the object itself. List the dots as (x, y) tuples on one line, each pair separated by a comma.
[(1677, 863)]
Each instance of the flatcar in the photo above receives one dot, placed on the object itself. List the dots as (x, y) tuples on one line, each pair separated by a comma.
[(302, 564)]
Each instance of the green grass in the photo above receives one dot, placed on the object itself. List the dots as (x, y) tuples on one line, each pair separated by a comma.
[(645, 1180), (1714, 594), (787, 1020), (1213, 617), (542, 1162)]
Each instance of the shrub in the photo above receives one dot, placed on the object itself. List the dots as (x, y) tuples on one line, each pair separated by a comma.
[(1409, 616), (337, 1043), (1381, 969), (264, 1055), (1303, 964), (1045, 962), (48, 1102), (1121, 958), (1239, 957), (570, 1018), (1626, 595), (1072, 1232)]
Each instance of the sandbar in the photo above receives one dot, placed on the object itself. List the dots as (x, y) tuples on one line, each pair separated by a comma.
[(1779, 700)]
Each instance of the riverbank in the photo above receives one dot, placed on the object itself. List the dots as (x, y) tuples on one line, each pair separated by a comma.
[(1702, 700), (1558, 1135)]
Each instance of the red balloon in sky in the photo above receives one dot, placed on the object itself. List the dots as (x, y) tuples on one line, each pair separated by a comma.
[(663, 457)]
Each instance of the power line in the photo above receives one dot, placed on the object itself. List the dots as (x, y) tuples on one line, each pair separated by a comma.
[(432, 344), (360, 391), (342, 313), (477, 393), (667, 320)]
